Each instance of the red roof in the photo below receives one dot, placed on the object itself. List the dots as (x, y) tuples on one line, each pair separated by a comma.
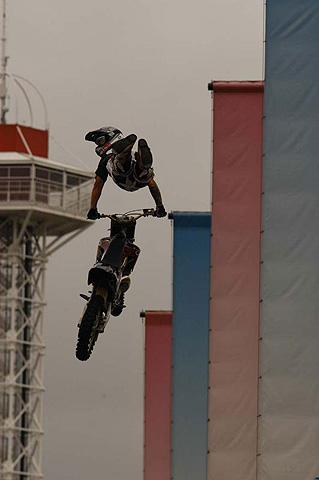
[(15, 138)]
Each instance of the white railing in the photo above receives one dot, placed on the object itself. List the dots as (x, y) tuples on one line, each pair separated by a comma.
[(60, 196)]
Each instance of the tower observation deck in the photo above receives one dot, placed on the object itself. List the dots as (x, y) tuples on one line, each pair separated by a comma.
[(43, 205)]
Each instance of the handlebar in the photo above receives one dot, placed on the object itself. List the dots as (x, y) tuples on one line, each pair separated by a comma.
[(124, 217)]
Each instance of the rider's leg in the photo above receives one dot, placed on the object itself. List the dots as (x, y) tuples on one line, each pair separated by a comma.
[(123, 149)]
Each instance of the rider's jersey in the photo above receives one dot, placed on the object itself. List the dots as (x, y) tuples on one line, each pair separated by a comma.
[(129, 181)]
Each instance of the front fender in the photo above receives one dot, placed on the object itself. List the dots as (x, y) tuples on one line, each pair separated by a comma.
[(102, 276)]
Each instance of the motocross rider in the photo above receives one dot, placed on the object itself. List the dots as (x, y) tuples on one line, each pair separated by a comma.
[(128, 172)]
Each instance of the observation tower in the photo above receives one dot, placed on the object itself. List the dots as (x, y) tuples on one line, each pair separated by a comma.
[(43, 205)]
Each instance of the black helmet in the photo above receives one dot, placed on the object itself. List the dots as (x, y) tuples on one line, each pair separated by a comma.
[(104, 136)]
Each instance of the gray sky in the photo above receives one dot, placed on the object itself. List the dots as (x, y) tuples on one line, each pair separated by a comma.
[(143, 67)]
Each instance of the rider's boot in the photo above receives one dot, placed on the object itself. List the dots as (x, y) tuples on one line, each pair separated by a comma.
[(119, 305), (125, 144), (123, 149), (144, 157)]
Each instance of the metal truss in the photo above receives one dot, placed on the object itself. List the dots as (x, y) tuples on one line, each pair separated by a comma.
[(22, 281), (24, 252)]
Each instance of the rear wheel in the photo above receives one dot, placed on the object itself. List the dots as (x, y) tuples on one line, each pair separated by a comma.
[(88, 330)]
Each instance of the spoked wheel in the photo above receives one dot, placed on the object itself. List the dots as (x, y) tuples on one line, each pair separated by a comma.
[(88, 330)]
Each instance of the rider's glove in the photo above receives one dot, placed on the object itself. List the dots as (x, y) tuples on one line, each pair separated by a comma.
[(93, 214), (160, 211)]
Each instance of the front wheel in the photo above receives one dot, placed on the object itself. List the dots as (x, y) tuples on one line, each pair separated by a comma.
[(88, 329)]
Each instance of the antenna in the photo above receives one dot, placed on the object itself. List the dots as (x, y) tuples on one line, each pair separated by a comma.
[(4, 61)]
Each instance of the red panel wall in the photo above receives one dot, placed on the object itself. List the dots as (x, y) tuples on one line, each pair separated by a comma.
[(235, 279), (158, 347), (10, 140)]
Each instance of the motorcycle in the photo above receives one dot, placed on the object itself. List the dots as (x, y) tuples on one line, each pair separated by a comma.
[(115, 259)]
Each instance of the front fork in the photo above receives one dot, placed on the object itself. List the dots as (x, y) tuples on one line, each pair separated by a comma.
[(102, 292)]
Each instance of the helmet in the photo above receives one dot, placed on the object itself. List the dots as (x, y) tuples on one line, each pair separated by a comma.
[(104, 137)]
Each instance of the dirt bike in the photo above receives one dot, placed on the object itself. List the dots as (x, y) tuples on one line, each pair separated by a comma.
[(116, 258)]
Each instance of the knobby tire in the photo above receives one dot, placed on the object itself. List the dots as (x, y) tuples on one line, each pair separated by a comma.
[(88, 330)]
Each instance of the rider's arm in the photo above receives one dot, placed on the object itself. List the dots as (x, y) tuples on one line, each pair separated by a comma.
[(96, 191), (155, 192), (101, 175)]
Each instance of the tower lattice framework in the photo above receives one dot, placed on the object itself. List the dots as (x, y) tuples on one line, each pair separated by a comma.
[(42, 207), (23, 257)]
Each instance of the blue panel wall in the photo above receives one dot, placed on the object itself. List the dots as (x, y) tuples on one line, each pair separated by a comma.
[(289, 354), (190, 345)]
